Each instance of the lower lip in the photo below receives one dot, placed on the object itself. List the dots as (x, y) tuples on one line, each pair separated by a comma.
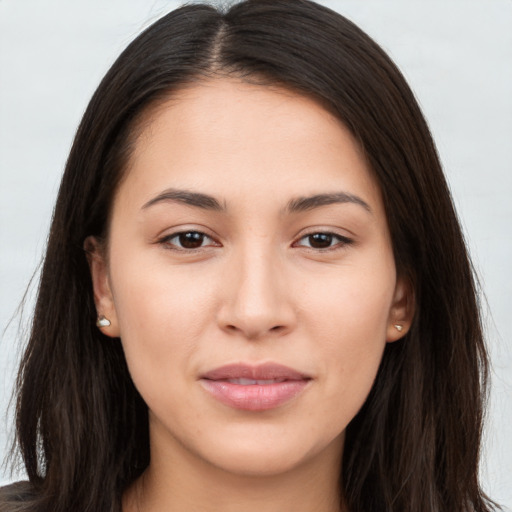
[(255, 397)]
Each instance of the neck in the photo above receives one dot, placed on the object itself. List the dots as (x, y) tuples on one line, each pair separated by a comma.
[(179, 481)]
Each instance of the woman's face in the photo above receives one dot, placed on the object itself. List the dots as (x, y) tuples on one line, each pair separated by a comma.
[(250, 277)]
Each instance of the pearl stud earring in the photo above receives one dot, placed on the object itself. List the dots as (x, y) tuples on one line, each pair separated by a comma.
[(398, 327), (102, 321)]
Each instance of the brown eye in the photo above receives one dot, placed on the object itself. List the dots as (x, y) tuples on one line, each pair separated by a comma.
[(191, 240), (188, 240), (321, 241)]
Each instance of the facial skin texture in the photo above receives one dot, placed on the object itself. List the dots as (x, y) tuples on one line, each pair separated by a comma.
[(254, 292)]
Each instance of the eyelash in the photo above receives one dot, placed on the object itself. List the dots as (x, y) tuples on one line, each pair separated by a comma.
[(342, 241), (166, 241)]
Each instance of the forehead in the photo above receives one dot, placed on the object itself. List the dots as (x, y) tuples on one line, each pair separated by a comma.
[(241, 111), (232, 137)]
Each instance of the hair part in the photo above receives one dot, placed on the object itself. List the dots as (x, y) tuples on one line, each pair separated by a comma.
[(82, 427)]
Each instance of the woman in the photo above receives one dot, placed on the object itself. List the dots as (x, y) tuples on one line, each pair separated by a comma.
[(256, 295)]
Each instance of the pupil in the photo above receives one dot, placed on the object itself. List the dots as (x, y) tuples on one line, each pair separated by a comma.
[(191, 240), (320, 240)]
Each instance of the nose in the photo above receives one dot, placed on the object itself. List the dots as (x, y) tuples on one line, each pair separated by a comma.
[(256, 298)]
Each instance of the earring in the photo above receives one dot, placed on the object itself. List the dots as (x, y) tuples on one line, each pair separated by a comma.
[(398, 327), (102, 321)]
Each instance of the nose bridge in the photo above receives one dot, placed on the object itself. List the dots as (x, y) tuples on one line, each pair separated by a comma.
[(257, 303)]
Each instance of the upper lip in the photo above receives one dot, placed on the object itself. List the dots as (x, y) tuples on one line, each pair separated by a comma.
[(266, 371)]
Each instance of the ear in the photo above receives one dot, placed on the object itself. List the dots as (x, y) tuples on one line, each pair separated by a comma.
[(402, 310), (103, 298)]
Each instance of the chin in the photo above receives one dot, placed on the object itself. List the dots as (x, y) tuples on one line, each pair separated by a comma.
[(269, 456)]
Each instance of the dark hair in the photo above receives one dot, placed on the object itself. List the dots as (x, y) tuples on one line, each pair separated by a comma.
[(82, 427)]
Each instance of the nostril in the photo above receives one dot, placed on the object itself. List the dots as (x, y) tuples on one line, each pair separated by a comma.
[(256, 333)]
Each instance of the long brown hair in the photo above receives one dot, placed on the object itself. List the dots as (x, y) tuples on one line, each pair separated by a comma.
[(82, 427)]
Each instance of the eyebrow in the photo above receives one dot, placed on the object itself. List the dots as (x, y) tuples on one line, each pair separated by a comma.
[(302, 204), (187, 197), (295, 205)]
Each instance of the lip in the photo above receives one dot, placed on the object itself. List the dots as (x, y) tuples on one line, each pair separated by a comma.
[(282, 384)]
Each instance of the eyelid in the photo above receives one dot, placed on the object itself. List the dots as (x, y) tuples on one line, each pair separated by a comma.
[(343, 240), (165, 240)]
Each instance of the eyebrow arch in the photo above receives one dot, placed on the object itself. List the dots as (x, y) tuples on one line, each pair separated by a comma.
[(196, 199), (302, 204), (296, 205)]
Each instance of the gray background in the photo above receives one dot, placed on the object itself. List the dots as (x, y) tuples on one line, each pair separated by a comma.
[(457, 55)]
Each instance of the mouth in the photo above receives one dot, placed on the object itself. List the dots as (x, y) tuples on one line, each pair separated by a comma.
[(254, 388)]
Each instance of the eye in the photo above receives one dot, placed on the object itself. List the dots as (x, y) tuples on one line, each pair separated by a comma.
[(188, 240), (324, 241)]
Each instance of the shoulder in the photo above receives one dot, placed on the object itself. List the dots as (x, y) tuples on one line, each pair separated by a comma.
[(16, 497)]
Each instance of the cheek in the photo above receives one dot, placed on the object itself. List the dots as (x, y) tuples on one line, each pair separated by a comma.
[(351, 304), (162, 311), (348, 320)]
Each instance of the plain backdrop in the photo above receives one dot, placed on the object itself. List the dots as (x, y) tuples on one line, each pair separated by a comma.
[(456, 54)]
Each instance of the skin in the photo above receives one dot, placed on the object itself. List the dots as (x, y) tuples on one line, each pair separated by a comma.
[(258, 288)]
